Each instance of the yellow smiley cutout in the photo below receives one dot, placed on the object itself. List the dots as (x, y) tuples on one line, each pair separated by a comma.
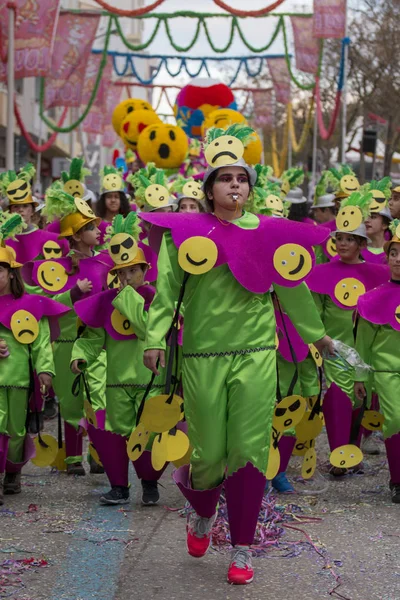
[(289, 412), (89, 413), (59, 461), (52, 276), (121, 324), (302, 446), (192, 189), (156, 195), (378, 201), (51, 249), (346, 457), (275, 204), (309, 464), (18, 190), (285, 187), (225, 150), (348, 291), (74, 188), (112, 182), (309, 429), (349, 218), (331, 247), (113, 281), (159, 451), (373, 420), (185, 460), (45, 456), (398, 231), (177, 445), (161, 413), (274, 462), (292, 261), (137, 442), (24, 327), (197, 255), (123, 248), (316, 355), (84, 208), (349, 184), (94, 454)]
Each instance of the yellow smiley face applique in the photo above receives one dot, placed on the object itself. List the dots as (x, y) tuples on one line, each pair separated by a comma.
[(52, 276), (84, 208), (161, 413), (289, 412), (24, 327), (316, 355), (378, 201), (301, 447), (156, 195), (349, 218), (309, 429), (348, 290), (331, 247), (113, 281), (397, 313), (137, 442), (121, 324), (51, 249), (192, 189), (346, 457), (309, 464), (123, 248), (112, 182), (225, 150), (197, 255), (292, 261), (373, 420), (18, 190), (275, 204), (349, 184), (74, 188), (274, 461)]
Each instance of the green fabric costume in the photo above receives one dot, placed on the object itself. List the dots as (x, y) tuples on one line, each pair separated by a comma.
[(229, 360)]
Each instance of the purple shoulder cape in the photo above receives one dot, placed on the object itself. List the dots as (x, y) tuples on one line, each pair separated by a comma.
[(249, 253), (96, 311), (344, 283), (300, 348), (371, 257), (382, 305), (29, 246), (329, 247), (38, 306)]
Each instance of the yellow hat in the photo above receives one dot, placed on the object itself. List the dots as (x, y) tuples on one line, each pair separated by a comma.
[(396, 189), (139, 259), (72, 211), (394, 228), (71, 224), (10, 226), (8, 256)]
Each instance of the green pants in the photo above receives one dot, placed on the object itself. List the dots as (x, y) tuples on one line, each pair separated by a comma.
[(343, 379), (13, 409), (122, 405), (229, 404), (387, 387)]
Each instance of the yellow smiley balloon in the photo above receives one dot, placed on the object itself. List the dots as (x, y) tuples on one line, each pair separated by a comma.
[(348, 291), (315, 355), (73, 187), (123, 248), (52, 276), (289, 412), (349, 184), (197, 255), (349, 218), (309, 464), (161, 413), (292, 261), (24, 327), (137, 442), (84, 208), (159, 451), (51, 249), (331, 247), (18, 190), (156, 195), (121, 324), (346, 457), (372, 420), (112, 182), (225, 150), (275, 204), (378, 201), (192, 189)]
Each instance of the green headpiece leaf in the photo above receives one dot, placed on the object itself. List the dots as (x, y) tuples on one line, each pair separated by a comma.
[(293, 177), (76, 171), (383, 185), (11, 224), (393, 226), (109, 169), (129, 225), (359, 199), (26, 173), (241, 131), (59, 204)]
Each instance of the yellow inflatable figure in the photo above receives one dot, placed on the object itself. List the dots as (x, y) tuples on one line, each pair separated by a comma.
[(165, 145), (133, 125), (124, 108)]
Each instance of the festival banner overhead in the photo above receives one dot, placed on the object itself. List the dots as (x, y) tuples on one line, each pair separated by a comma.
[(97, 116), (306, 46), (329, 18), (73, 43), (35, 26), (263, 108), (280, 78)]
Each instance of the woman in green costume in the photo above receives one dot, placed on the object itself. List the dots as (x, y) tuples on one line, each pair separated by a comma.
[(229, 362)]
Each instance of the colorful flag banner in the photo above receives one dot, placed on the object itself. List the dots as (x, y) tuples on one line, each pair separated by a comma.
[(263, 108), (97, 117), (280, 78), (305, 44), (329, 18)]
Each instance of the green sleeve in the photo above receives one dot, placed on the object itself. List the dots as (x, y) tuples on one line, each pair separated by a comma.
[(42, 353), (297, 302), (89, 346), (162, 308), (131, 305), (319, 303), (365, 335), (63, 298)]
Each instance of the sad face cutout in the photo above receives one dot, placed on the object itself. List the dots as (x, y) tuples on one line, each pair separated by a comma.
[(348, 290), (74, 188), (52, 276), (123, 248), (349, 184), (18, 190), (121, 324), (225, 150), (156, 195), (51, 249), (197, 255), (289, 412), (192, 189), (137, 442), (346, 457), (24, 327), (292, 261), (309, 464), (349, 218)]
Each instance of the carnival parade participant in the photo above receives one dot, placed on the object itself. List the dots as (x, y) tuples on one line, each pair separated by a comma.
[(394, 203), (227, 261), (189, 194)]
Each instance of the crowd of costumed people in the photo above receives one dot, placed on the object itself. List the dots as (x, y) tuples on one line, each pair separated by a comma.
[(199, 312)]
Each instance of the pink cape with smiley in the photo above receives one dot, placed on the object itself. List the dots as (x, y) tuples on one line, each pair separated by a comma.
[(29, 246), (94, 268), (96, 310), (38, 306), (247, 252), (380, 306), (292, 338), (324, 278)]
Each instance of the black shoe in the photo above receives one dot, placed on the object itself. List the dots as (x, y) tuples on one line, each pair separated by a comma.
[(12, 483), (95, 468), (76, 469), (150, 495), (117, 495), (50, 408), (395, 490), (32, 423)]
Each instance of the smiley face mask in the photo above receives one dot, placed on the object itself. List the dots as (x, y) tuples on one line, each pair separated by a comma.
[(17, 186), (73, 179)]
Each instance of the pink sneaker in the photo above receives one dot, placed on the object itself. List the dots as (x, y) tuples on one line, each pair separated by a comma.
[(199, 534), (240, 570)]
